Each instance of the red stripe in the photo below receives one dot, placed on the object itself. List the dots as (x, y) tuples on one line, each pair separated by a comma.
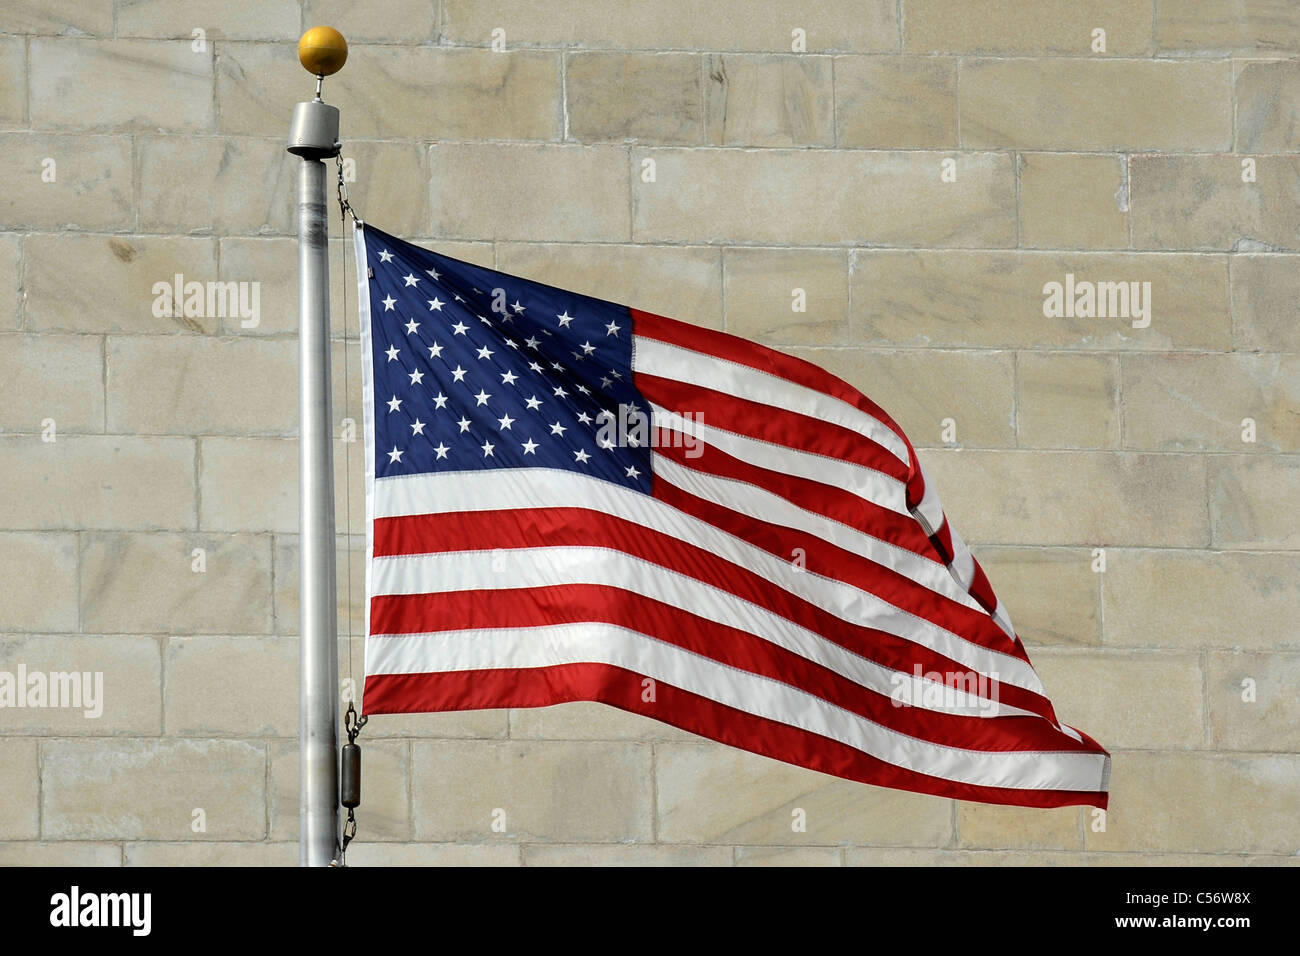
[(826, 559), (981, 590), (407, 614), (942, 540), (541, 687), (826, 500), (915, 483), (760, 358), (561, 527), (771, 425)]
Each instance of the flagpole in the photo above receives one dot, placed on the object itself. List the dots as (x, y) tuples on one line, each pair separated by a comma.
[(313, 137)]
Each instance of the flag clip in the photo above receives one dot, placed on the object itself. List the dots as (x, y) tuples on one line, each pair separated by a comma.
[(350, 777)]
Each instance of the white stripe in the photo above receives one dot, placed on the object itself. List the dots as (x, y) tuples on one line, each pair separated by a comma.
[(652, 357), (546, 488), (514, 569), (748, 499), (866, 483), (487, 648), (929, 509), (963, 562)]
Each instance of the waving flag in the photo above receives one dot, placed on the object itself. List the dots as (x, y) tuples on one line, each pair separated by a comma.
[(568, 499)]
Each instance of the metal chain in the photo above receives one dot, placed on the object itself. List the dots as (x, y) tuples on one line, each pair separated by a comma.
[(344, 205)]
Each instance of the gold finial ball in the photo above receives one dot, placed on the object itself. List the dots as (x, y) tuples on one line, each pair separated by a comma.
[(322, 51)]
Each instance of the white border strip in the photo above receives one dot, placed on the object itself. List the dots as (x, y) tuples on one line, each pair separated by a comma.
[(368, 432)]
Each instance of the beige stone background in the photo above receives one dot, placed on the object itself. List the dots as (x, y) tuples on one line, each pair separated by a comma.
[(774, 170)]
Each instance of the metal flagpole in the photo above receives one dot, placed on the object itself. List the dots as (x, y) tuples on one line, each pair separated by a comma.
[(314, 137)]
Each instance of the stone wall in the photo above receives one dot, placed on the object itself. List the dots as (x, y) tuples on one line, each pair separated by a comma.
[(921, 169)]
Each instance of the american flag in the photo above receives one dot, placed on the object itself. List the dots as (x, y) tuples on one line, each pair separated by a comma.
[(568, 499)]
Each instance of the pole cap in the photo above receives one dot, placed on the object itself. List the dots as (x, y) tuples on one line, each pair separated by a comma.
[(322, 51)]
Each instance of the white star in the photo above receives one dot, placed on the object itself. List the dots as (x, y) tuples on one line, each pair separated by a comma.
[(394, 455), (605, 443), (411, 279), (533, 404), (535, 367), (506, 422), (584, 389), (417, 427), (559, 392), (440, 400), (529, 447), (565, 319), (517, 306), (481, 398), (557, 366), (487, 447), (485, 352), (584, 418), (512, 343), (508, 378), (581, 456), (531, 342), (435, 304), (433, 273), (615, 373), (385, 256), (605, 382), (612, 329), (395, 404), (417, 377), (435, 350), (588, 348), (389, 303), (411, 327), (464, 424), (557, 429), (442, 450), (457, 373), (457, 298), (633, 473), (392, 353), (634, 441), (459, 328)]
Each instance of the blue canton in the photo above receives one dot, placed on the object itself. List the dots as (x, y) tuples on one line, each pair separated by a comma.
[(473, 368)]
